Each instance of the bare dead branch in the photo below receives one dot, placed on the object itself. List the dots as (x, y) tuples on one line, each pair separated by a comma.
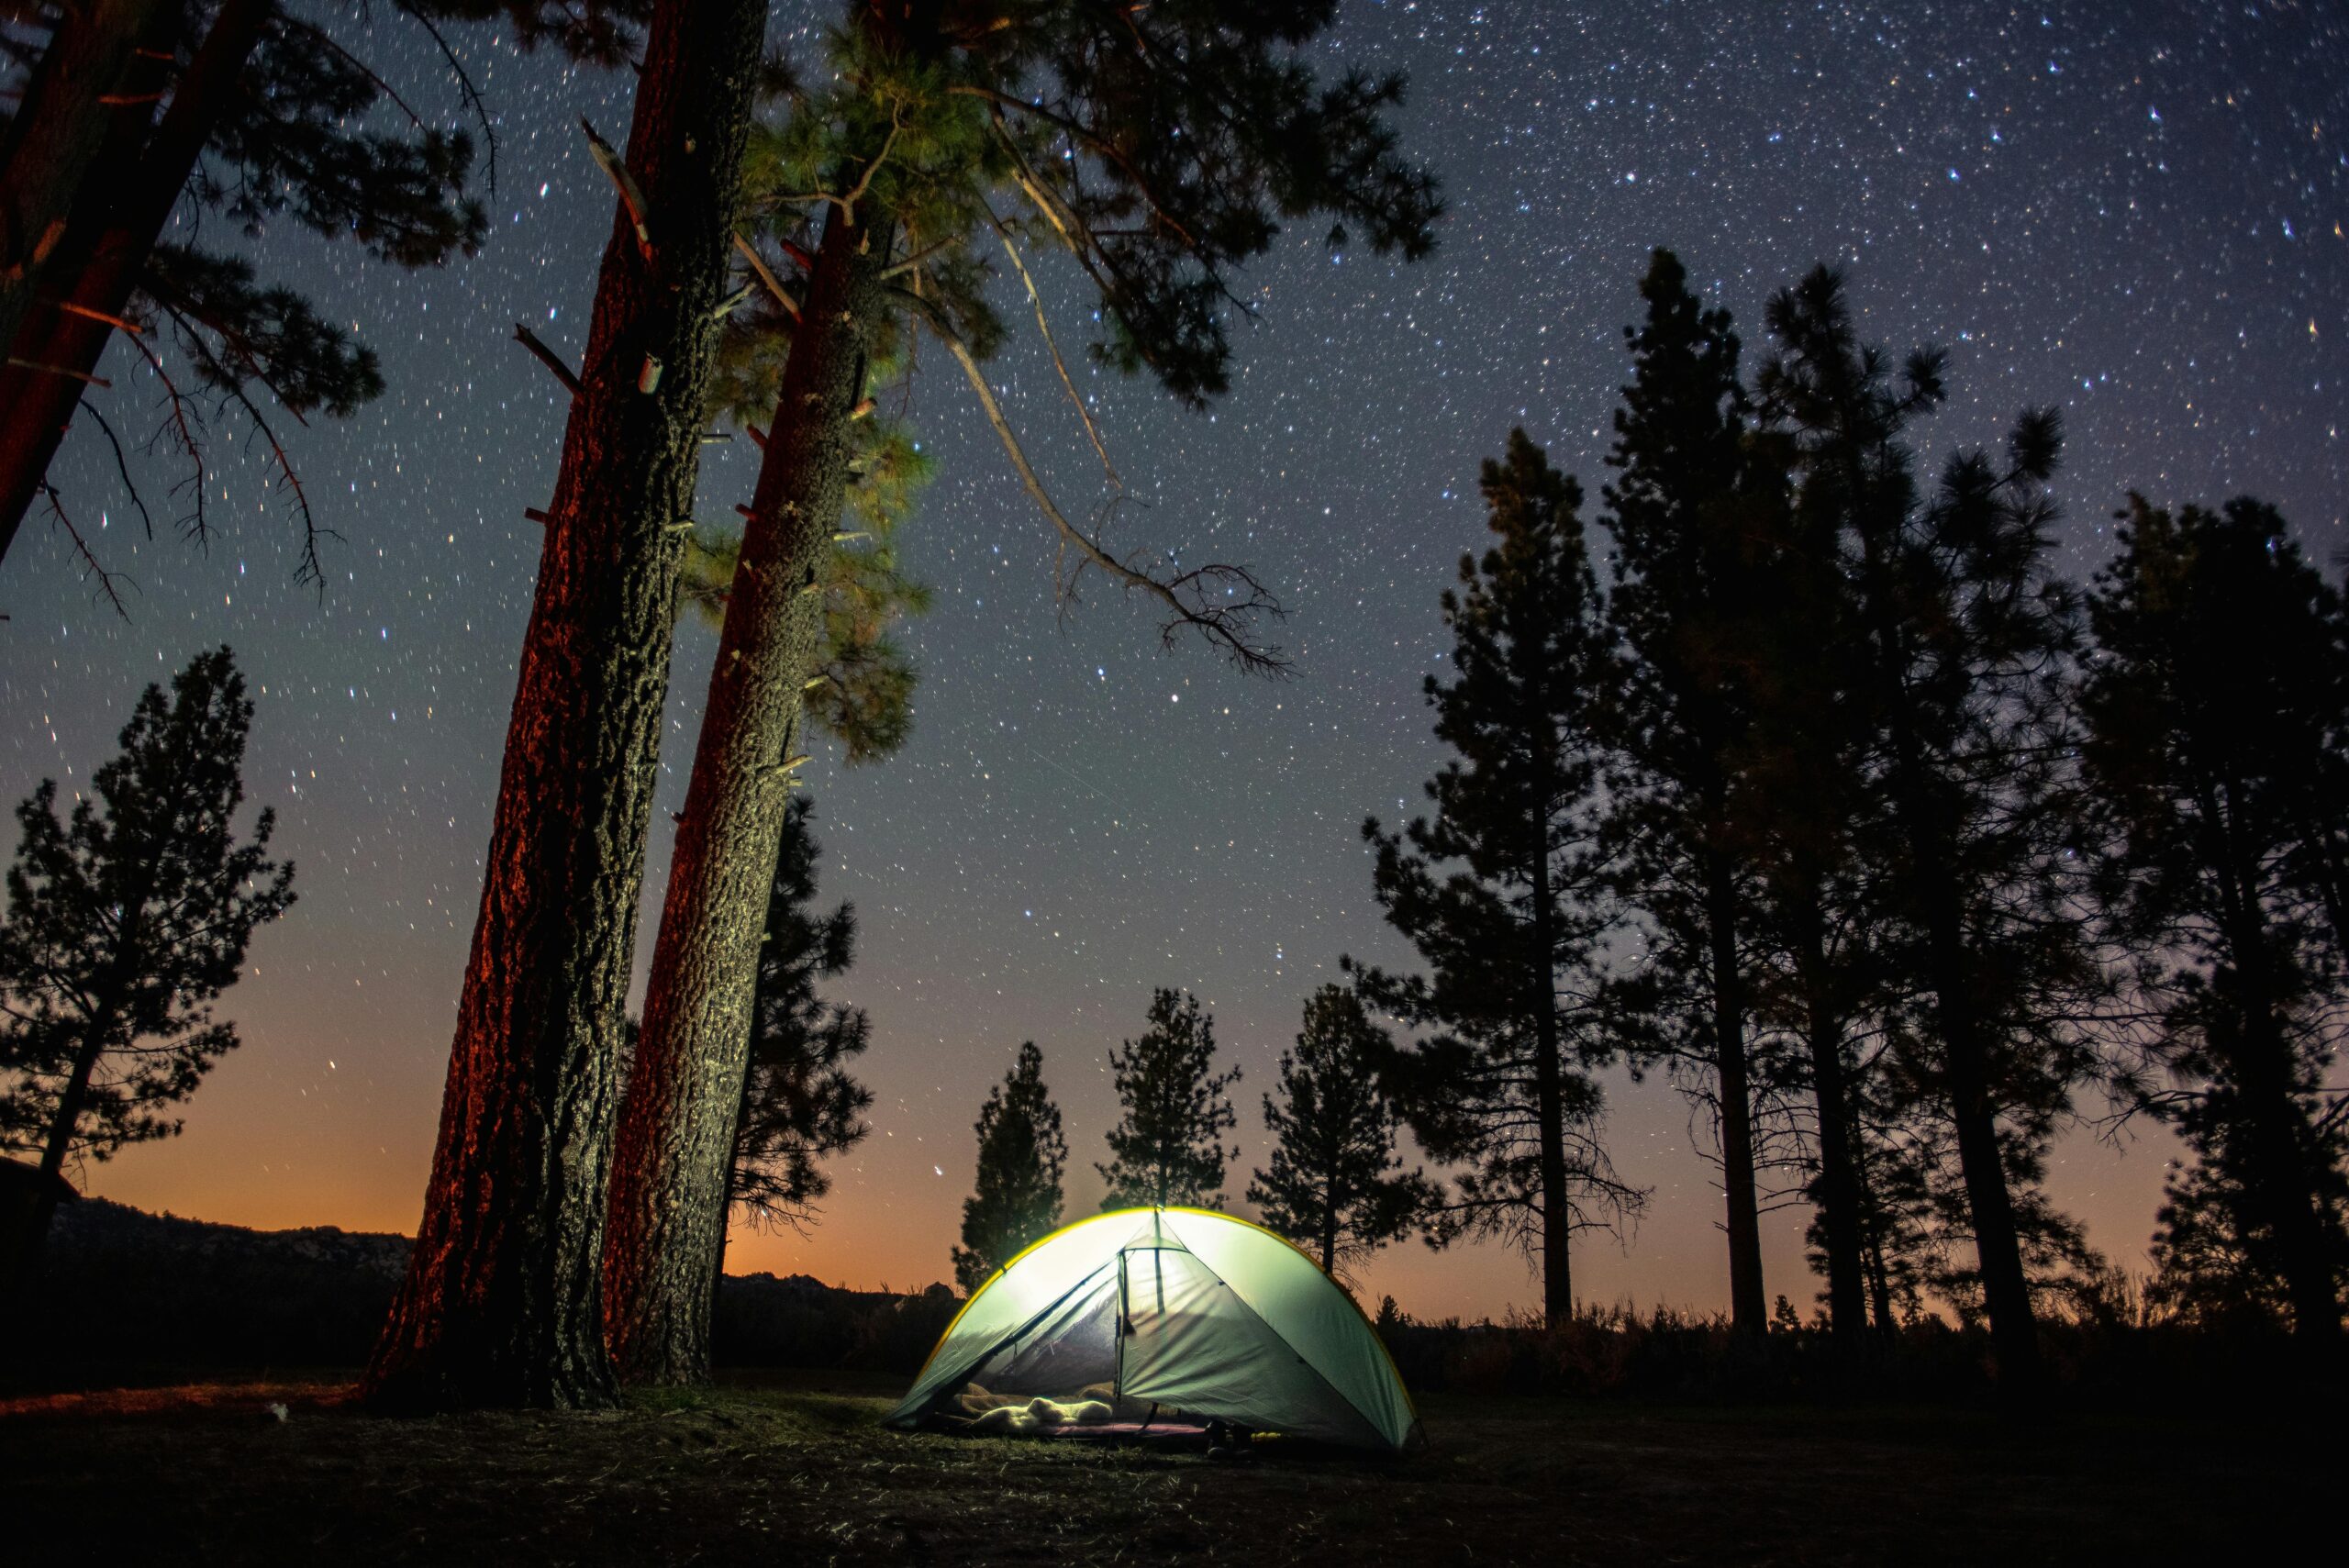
[(467, 89), (122, 323), (847, 204), (1044, 201), (180, 425), (386, 88), (121, 466), (310, 569), (549, 358), (1044, 325), (1188, 598), (766, 276), (631, 194), (66, 370), (732, 302), (90, 567), (898, 269), (1099, 145)]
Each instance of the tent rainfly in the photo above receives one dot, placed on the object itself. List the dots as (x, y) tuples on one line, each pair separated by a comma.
[(1169, 1314)]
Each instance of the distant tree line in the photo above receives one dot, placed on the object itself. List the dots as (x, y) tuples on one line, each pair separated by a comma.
[(1334, 1186), (1840, 809)]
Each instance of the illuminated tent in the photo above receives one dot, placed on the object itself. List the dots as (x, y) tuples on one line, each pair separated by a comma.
[(1181, 1312)]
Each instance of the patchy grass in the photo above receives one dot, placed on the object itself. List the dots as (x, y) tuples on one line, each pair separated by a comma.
[(791, 1468)]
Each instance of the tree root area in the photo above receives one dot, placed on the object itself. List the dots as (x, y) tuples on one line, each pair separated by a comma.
[(793, 1468)]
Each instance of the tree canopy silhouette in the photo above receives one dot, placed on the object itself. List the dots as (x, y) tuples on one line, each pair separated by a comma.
[(1335, 1185), (1016, 1197), (1167, 1147), (1503, 889), (126, 922)]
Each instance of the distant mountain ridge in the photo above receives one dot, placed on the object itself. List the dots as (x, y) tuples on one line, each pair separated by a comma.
[(128, 1293), (98, 1226)]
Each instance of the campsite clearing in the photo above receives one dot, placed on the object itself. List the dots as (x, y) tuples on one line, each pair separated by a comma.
[(796, 1469)]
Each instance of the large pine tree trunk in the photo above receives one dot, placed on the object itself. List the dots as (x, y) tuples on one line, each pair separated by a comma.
[(60, 132), (1974, 1113), (31, 1238), (2284, 1183), (1927, 823), (2281, 1176), (112, 233), (1838, 1190), (668, 1212), (502, 1303), (1749, 1312), (1549, 1103)]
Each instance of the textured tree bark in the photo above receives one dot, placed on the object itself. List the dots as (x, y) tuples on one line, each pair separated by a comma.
[(113, 230), (668, 1209), (60, 132), (1749, 1313), (502, 1304)]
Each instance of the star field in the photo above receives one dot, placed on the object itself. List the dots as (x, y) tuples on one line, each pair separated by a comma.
[(2133, 212)]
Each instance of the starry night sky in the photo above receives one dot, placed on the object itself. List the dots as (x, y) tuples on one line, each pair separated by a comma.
[(2131, 211)]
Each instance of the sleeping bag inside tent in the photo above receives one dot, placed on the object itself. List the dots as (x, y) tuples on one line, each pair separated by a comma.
[(1141, 1319)]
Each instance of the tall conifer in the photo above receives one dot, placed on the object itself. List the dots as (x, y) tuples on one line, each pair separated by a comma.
[(125, 923), (1016, 1199), (1503, 889), (1335, 1186), (503, 1300), (1168, 1147), (1965, 641), (2220, 683), (1683, 603), (800, 1104), (242, 111)]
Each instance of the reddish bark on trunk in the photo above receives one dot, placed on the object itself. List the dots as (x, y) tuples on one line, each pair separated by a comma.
[(502, 1304)]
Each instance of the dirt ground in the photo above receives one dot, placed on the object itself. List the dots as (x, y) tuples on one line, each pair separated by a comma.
[(794, 1470)]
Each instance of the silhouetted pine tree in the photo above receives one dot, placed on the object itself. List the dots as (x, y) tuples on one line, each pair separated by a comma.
[(2214, 1259), (800, 1107), (1916, 1209), (1335, 1186), (1965, 640), (125, 923), (1503, 890), (1016, 1199), (1162, 148), (1168, 1147), (1807, 801), (2214, 705), (1683, 603)]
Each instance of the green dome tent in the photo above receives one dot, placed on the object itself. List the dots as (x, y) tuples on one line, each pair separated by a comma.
[(1169, 1310)]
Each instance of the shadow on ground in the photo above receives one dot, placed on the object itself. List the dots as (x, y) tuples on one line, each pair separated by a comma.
[(792, 1468)]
